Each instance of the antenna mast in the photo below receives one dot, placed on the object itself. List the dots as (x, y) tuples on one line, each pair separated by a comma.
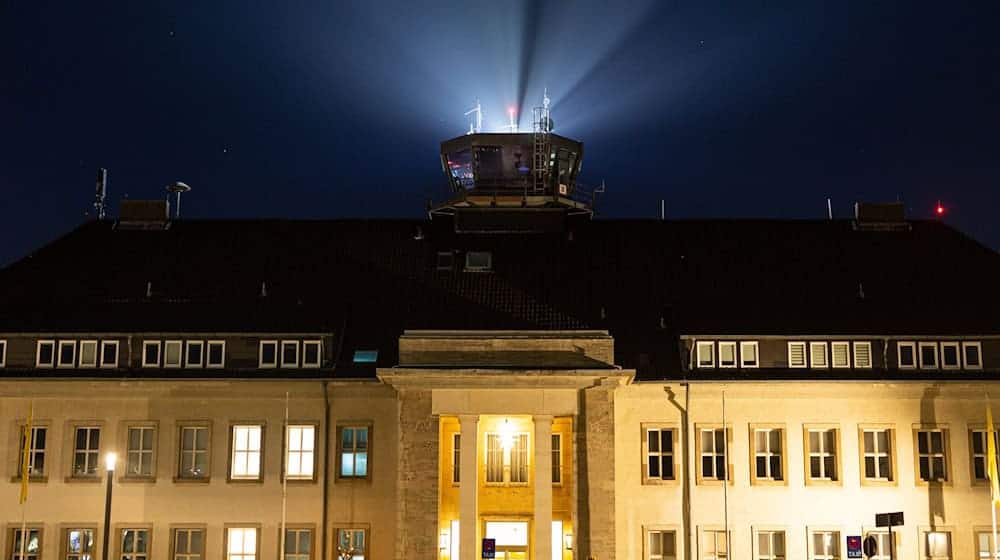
[(476, 126), (101, 193), (541, 125)]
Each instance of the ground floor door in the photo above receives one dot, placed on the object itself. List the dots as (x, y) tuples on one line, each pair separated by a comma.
[(511, 539), (512, 553)]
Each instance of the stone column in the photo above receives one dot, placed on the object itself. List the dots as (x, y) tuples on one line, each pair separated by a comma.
[(417, 477), (543, 488), (468, 502)]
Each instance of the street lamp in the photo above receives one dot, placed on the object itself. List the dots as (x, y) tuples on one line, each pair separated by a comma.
[(109, 463)]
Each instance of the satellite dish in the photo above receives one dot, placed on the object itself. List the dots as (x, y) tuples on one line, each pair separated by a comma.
[(177, 188)]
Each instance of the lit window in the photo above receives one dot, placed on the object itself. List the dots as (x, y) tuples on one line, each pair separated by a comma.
[(151, 353), (863, 355), (478, 261), (796, 354), (705, 354), (289, 353), (980, 465), (748, 354), (139, 455), (713, 454), (354, 452), (507, 465), (822, 453), (173, 353), (727, 355), (817, 352), (351, 544), (189, 544), (714, 545), (194, 452), (45, 354), (88, 353), (79, 544), (268, 355), (928, 355), (300, 452), (877, 454), (770, 545), (36, 452), (311, 353), (135, 544), (937, 545), (365, 356), (825, 545), (246, 457), (67, 353), (768, 454), (32, 546), (194, 355), (3, 353), (972, 355), (241, 543), (456, 458), (840, 354), (216, 355), (882, 546), (659, 453), (86, 450), (984, 546), (931, 455), (556, 458), (661, 545), (950, 357), (298, 544), (109, 353)]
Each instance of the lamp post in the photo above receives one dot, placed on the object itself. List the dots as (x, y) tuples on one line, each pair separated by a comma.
[(109, 462)]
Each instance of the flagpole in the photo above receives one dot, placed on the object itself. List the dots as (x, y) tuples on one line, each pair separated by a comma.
[(991, 461), (725, 476), (284, 484), (25, 459)]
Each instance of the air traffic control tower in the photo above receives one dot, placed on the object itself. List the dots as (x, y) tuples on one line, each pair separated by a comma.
[(524, 181)]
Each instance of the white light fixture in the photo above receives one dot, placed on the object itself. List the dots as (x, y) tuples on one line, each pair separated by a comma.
[(444, 541), (506, 435), (568, 541), (109, 461)]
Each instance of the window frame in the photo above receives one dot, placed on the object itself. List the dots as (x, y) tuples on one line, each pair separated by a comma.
[(645, 428), (80, 362), (756, 480), (38, 353), (167, 344), (975, 430), (925, 531), (125, 474), (810, 480), (281, 357), (556, 439), (74, 450), (286, 447), (319, 353), (736, 356), (105, 344), (699, 344), (200, 344), (120, 544), (854, 353), (715, 531), (159, 353), (920, 355), (805, 354), (813, 355), (979, 352), (228, 527), (899, 354), (231, 476), (12, 545), (649, 530), (59, 354), (298, 528), (845, 346), (727, 455), (66, 529), (812, 554), (507, 460), (756, 352), (879, 533), (179, 470), (456, 458), (208, 353), (958, 355), (189, 555), (33, 451), (340, 451), (986, 530), (756, 533), (261, 364), (353, 529), (891, 454), (3, 352), (945, 455)]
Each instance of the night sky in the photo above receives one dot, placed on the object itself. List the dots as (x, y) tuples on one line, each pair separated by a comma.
[(335, 109)]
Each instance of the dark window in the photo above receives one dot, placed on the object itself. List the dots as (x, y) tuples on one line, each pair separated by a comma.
[(972, 356), (445, 260), (36, 453), (660, 455), (216, 353), (478, 260), (86, 451), (3, 352), (289, 354), (152, 354), (46, 353), (194, 350), (109, 354), (310, 353), (949, 355), (269, 353), (928, 356), (906, 357)]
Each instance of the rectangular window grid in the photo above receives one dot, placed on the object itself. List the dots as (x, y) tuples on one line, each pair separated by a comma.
[(135, 544), (193, 452), (189, 544), (173, 353), (109, 353), (882, 544), (748, 354), (215, 357), (713, 453), (714, 545), (88, 353), (936, 545), (79, 544), (67, 354), (796, 354), (931, 455), (979, 454), (840, 354), (950, 356), (660, 453), (456, 458), (351, 544), (906, 354), (246, 452), (194, 354), (825, 545), (354, 452), (139, 454), (45, 353), (767, 453), (661, 545), (818, 354), (86, 451), (298, 544), (32, 546), (823, 454), (241, 543), (311, 353), (877, 454), (36, 452), (972, 355), (289, 353), (268, 357), (863, 355), (928, 352), (705, 354), (151, 353), (556, 458), (984, 546), (727, 354), (770, 545), (301, 451)]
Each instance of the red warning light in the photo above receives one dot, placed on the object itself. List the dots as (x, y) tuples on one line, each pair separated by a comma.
[(939, 209)]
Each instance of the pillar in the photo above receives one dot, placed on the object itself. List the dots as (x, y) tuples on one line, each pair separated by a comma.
[(543, 488), (468, 502)]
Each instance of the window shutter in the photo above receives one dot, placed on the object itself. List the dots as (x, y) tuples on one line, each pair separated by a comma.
[(862, 355), (796, 354)]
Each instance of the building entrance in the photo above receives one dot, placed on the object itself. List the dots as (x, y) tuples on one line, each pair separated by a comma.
[(511, 539)]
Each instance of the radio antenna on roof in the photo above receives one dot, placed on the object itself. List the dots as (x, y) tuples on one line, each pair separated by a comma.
[(101, 193), (177, 188), (476, 126)]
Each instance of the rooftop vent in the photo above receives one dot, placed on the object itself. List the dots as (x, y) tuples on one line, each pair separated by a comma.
[(887, 216), (144, 214)]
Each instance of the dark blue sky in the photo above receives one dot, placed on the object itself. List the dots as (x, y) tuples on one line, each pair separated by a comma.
[(335, 109)]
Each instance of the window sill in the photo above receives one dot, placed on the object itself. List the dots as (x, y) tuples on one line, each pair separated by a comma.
[(31, 479), (767, 482), (137, 479), (354, 479), (824, 482), (712, 482), (246, 480), (189, 479), (83, 479), (878, 482), (661, 482)]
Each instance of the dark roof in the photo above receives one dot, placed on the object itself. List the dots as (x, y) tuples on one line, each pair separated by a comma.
[(647, 282)]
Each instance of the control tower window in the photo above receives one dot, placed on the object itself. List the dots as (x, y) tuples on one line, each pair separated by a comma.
[(460, 167), (489, 164)]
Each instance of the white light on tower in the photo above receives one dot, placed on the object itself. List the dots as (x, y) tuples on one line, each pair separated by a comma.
[(513, 123)]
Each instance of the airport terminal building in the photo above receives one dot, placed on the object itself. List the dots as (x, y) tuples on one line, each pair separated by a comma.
[(507, 369)]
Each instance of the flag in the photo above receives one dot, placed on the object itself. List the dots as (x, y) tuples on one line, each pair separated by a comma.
[(991, 453), (26, 455)]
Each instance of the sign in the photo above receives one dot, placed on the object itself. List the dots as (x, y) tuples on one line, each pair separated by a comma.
[(489, 548), (889, 519), (870, 545), (854, 546)]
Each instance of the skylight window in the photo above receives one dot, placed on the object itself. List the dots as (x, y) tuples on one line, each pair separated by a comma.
[(928, 355), (216, 356), (365, 356), (705, 354), (151, 353), (818, 355), (268, 354), (840, 354), (950, 358), (862, 354), (311, 353), (478, 261), (972, 355), (727, 354)]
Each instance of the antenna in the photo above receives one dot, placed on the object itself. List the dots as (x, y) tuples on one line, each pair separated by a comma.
[(829, 209), (101, 193), (542, 119), (178, 188), (476, 126)]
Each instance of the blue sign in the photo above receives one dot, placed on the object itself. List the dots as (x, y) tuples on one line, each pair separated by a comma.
[(489, 549), (854, 546)]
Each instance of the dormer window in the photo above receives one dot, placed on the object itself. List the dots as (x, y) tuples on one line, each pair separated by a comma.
[(268, 357), (749, 354), (727, 354), (289, 353), (907, 352), (928, 355), (216, 355), (88, 353), (705, 354), (67, 353), (862, 355), (194, 356), (478, 261), (796, 354), (173, 353), (109, 353), (950, 356), (311, 353), (151, 353), (818, 355), (972, 355), (840, 354)]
